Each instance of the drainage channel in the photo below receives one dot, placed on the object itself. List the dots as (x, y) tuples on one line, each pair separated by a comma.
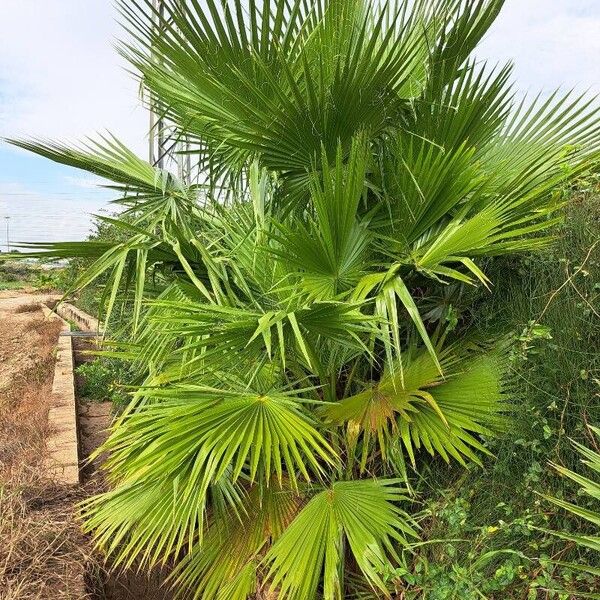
[(87, 422)]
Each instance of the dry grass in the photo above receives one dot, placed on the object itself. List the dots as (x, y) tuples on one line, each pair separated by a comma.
[(43, 553), (24, 401), (27, 308)]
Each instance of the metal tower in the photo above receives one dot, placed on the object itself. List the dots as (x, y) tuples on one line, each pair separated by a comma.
[(166, 149)]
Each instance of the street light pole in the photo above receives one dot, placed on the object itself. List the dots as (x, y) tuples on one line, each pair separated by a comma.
[(7, 234)]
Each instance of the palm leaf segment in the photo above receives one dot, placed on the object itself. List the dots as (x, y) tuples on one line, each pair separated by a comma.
[(367, 162), (589, 487), (156, 211), (211, 442), (305, 542), (362, 515)]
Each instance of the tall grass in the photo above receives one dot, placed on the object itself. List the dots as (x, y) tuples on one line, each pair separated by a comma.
[(549, 302)]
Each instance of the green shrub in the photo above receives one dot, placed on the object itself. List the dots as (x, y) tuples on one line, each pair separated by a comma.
[(105, 380), (554, 343)]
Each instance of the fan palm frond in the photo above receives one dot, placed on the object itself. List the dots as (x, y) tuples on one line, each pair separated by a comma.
[(363, 516), (589, 487), (425, 409)]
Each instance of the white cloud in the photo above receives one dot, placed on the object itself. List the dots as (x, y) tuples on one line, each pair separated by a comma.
[(84, 182), (60, 77), (552, 44), (40, 216)]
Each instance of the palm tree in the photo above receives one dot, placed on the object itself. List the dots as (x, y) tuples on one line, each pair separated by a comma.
[(352, 161)]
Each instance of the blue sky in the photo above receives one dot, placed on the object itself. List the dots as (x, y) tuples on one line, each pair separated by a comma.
[(61, 78)]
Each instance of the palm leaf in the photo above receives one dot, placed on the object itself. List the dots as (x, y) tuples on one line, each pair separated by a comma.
[(226, 567), (589, 487), (424, 409), (362, 514)]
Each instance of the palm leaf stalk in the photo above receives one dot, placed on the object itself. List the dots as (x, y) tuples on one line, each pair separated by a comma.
[(353, 163)]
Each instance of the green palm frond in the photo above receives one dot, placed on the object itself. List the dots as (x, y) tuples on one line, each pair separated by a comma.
[(159, 203), (235, 433), (465, 25), (589, 487), (443, 414), (160, 503), (144, 188), (327, 253), (284, 80), (292, 335), (228, 565), (362, 516), (150, 520), (390, 293)]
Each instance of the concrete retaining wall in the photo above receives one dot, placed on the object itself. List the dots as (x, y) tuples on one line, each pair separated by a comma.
[(75, 315), (62, 460)]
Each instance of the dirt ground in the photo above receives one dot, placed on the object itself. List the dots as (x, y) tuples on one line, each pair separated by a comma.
[(27, 342), (42, 551), (25, 338)]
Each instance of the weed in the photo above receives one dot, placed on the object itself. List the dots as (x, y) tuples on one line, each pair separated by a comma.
[(104, 379), (549, 304)]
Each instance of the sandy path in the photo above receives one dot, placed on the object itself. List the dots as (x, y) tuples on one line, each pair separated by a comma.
[(27, 342), (42, 551), (23, 334)]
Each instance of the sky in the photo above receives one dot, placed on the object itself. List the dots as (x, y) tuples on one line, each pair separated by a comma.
[(61, 78)]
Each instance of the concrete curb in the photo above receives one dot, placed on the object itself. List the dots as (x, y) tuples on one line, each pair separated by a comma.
[(81, 319), (62, 460)]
